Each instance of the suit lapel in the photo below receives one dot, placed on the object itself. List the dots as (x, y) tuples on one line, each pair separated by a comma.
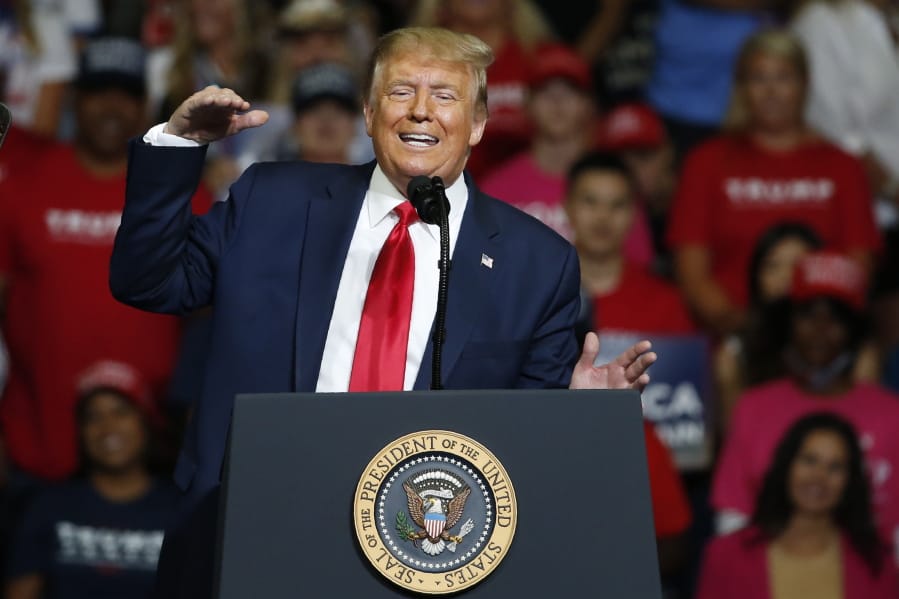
[(329, 230), (469, 282)]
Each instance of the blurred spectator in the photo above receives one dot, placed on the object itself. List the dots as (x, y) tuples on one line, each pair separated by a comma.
[(560, 104), (615, 37), (37, 60), (696, 47), (812, 532), (624, 296), (637, 134), (311, 33), (513, 29), (326, 106), (216, 43), (854, 83), (58, 220), (768, 168), (600, 205), (826, 330), (755, 354), (100, 534)]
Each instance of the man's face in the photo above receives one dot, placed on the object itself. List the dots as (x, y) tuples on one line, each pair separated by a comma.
[(325, 131), (113, 432), (600, 209), (560, 110), (422, 118), (107, 119), (819, 334)]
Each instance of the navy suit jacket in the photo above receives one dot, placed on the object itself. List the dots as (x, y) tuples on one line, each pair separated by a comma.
[(269, 261)]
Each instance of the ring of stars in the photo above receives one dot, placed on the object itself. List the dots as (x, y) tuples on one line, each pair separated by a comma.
[(395, 546)]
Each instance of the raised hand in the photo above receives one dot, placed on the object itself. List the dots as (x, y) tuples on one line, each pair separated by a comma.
[(213, 113), (627, 371)]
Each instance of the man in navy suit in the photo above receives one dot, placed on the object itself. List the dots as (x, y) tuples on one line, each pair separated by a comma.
[(286, 261)]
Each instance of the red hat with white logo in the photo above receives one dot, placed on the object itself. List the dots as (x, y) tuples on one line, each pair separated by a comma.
[(829, 274), (632, 126), (123, 379), (558, 61)]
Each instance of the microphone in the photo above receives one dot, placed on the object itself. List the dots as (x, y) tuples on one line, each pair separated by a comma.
[(428, 196), (5, 121)]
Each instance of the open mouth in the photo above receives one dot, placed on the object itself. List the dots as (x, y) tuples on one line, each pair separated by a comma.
[(418, 140)]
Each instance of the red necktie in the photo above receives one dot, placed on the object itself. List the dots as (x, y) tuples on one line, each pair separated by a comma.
[(380, 360)]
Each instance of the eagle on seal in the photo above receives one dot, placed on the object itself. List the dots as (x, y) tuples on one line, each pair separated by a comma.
[(428, 512)]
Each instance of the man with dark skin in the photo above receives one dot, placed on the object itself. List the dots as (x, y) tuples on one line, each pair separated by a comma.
[(59, 217)]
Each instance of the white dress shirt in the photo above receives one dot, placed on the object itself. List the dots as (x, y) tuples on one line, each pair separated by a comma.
[(375, 221)]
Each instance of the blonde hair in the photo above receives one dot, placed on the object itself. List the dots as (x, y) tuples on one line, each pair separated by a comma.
[(436, 42), (181, 76), (778, 43), (526, 23)]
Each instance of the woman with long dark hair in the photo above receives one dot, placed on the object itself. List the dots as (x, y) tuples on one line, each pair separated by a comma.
[(812, 533), (826, 330)]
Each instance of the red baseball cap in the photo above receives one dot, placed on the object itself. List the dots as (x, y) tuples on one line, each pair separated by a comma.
[(124, 380), (829, 274), (558, 61), (632, 126)]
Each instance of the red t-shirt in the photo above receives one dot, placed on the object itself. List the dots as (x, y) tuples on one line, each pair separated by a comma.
[(57, 225), (732, 190), (670, 508), (642, 303), (20, 151), (509, 128)]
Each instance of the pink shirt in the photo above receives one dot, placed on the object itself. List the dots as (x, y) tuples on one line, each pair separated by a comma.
[(736, 567), (520, 182), (763, 415)]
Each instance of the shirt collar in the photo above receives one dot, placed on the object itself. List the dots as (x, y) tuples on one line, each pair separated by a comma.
[(383, 197)]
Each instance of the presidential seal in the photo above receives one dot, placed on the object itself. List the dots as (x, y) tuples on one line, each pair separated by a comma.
[(435, 512)]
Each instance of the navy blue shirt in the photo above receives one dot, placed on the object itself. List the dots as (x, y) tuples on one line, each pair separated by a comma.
[(87, 547)]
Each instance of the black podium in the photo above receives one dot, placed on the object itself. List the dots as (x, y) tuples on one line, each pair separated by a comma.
[(576, 459)]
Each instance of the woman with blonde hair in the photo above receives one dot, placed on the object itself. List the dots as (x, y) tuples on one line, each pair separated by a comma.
[(768, 167), (214, 44), (513, 29)]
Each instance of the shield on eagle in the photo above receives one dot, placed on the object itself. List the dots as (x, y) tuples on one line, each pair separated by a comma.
[(434, 523)]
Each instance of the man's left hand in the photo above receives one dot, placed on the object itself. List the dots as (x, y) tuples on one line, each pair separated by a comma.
[(627, 371)]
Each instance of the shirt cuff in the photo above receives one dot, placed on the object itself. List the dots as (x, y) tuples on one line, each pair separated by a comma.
[(157, 137)]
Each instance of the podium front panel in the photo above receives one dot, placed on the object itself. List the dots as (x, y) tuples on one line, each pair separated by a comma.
[(576, 459)]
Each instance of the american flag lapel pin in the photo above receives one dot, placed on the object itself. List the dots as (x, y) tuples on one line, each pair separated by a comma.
[(486, 261)]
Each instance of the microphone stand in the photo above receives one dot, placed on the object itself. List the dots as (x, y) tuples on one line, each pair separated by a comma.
[(443, 285)]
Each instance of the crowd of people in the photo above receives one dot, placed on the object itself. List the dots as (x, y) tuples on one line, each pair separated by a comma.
[(727, 171)]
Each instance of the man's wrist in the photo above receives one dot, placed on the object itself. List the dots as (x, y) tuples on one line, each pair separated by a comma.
[(157, 136)]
